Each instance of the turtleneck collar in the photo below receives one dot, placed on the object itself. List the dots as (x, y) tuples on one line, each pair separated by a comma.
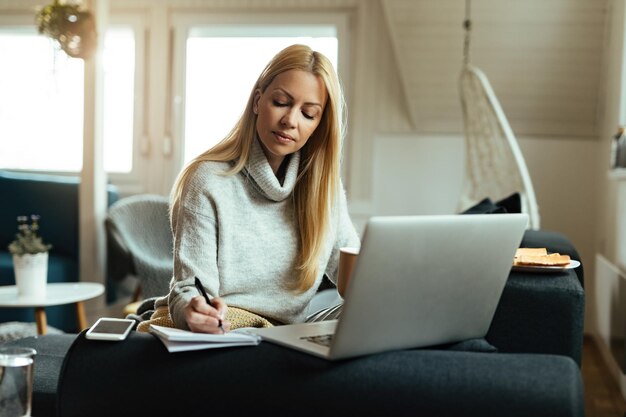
[(260, 171)]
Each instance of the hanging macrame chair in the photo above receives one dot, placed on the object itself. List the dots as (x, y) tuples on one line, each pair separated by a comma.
[(494, 164)]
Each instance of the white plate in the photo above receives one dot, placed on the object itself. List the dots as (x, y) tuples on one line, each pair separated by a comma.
[(545, 269)]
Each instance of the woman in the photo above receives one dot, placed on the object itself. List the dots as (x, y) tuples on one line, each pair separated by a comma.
[(260, 217)]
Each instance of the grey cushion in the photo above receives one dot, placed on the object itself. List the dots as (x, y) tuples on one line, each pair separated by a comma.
[(510, 204)]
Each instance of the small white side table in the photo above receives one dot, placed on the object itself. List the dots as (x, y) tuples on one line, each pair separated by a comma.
[(56, 294)]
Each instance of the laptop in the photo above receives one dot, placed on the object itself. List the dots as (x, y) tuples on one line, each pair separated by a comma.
[(418, 281)]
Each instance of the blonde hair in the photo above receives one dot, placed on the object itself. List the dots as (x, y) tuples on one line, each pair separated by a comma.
[(318, 177)]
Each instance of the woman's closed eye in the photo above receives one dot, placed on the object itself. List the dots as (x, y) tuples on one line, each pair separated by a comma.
[(307, 115), (311, 112)]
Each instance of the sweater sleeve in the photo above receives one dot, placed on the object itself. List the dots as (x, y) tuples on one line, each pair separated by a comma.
[(195, 231), (346, 236)]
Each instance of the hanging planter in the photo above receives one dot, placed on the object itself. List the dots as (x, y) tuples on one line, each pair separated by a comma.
[(71, 26), (30, 259)]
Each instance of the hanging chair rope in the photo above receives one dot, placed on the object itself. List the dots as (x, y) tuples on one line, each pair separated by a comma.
[(494, 164), (467, 29)]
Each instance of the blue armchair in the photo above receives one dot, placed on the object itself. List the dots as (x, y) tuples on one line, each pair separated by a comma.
[(55, 199)]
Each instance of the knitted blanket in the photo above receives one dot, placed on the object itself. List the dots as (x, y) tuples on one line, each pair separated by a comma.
[(238, 318)]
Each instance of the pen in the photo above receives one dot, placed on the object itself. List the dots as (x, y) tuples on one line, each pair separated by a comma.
[(200, 288)]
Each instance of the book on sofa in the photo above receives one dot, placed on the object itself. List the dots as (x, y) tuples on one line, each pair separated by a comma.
[(177, 340)]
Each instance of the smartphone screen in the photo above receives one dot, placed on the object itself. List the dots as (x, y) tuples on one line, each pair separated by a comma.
[(110, 329)]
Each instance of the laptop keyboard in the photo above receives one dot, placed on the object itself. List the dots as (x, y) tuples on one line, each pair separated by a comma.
[(324, 339)]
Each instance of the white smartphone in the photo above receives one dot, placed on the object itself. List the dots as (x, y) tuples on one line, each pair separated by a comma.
[(110, 329)]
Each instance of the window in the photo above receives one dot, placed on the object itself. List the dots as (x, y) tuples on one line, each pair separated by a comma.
[(41, 102), (168, 94), (119, 99), (218, 81), (221, 65)]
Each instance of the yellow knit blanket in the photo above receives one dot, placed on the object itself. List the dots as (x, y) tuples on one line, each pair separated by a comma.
[(238, 318)]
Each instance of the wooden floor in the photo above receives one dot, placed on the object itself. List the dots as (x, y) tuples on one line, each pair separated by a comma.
[(602, 394)]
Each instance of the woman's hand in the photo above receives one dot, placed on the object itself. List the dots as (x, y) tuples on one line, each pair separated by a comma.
[(202, 318)]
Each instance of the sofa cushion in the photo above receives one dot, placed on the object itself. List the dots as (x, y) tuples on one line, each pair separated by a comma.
[(54, 198), (60, 269), (472, 345), (485, 206), (510, 204)]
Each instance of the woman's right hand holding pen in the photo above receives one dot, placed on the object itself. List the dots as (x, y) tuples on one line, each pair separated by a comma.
[(204, 318), (204, 315)]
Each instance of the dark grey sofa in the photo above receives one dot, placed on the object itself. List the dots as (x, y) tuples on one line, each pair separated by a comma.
[(537, 330)]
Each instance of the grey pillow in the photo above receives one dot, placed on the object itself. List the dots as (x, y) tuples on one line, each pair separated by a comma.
[(510, 204)]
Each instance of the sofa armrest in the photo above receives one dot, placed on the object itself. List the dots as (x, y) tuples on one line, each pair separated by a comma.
[(540, 314)]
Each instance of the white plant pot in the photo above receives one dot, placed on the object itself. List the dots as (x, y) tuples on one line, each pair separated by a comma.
[(31, 274)]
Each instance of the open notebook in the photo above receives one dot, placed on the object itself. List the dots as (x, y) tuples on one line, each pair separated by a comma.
[(177, 340)]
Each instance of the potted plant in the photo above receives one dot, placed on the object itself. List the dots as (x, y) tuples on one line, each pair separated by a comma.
[(30, 258)]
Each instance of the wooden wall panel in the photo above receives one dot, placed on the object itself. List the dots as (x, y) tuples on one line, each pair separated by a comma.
[(543, 59)]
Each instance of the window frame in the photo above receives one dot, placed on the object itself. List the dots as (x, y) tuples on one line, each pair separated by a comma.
[(140, 148)]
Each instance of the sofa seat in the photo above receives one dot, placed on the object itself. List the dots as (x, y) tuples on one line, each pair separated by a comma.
[(141, 378)]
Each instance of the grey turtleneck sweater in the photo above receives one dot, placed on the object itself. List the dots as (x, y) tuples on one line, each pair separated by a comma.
[(238, 234)]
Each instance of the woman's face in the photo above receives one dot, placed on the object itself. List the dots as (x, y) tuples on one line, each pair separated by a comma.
[(289, 111)]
